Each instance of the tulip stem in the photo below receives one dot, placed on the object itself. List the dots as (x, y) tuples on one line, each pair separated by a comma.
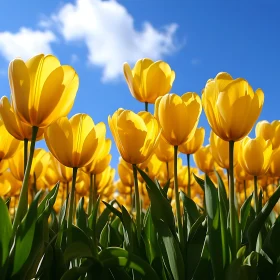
[(177, 201), (92, 193), (189, 176), (25, 153), (256, 195), (232, 209), (23, 197), (137, 202), (146, 106)]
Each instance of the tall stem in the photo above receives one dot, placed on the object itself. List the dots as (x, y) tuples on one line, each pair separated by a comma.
[(256, 195), (90, 195), (71, 207), (146, 106), (23, 198), (177, 201), (189, 176), (137, 202), (25, 153), (232, 209)]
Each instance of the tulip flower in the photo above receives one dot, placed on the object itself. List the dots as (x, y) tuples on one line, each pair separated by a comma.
[(269, 131), (274, 168), (190, 147), (255, 157), (8, 144), (164, 150), (125, 173), (148, 80), (73, 143), (136, 137), (204, 160)]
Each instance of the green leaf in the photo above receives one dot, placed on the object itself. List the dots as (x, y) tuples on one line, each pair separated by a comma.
[(105, 236), (190, 208), (5, 232), (82, 221), (103, 219), (223, 192), (77, 250), (62, 212), (245, 212), (113, 210), (117, 257), (258, 223), (199, 181)]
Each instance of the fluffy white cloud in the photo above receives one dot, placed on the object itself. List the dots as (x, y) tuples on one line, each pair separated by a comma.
[(109, 33), (25, 43)]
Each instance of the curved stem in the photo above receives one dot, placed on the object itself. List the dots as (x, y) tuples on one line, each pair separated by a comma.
[(232, 209), (25, 153), (23, 198), (177, 201), (146, 106), (137, 202), (71, 207), (256, 195), (189, 176)]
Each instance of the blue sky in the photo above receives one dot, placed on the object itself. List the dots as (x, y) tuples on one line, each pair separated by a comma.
[(197, 38)]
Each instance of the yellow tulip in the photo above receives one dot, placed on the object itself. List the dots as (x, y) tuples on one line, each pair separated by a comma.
[(14, 125), (149, 80), (164, 151), (255, 155), (136, 135), (220, 151), (231, 106), (4, 165), (193, 144), (269, 131), (105, 179), (64, 173), (125, 173), (152, 167), (240, 174), (72, 142), (274, 168), (178, 116), (8, 144), (42, 90), (204, 160)]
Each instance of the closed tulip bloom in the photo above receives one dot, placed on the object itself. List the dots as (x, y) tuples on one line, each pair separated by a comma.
[(125, 173), (192, 145), (72, 142), (274, 168), (231, 106), (204, 160), (136, 135), (4, 165), (164, 151), (42, 90), (14, 125), (64, 173), (255, 155), (105, 179), (148, 80), (269, 131), (8, 144), (178, 116), (240, 174), (220, 151)]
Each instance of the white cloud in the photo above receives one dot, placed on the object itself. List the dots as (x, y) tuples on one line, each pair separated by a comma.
[(109, 33), (25, 43)]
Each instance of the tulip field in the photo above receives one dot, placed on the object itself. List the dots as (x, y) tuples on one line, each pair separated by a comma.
[(63, 215)]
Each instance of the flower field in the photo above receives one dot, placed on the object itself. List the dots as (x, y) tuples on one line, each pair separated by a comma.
[(65, 216)]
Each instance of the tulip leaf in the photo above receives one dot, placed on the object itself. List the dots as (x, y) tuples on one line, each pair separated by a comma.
[(199, 181), (81, 215), (245, 212), (105, 236), (117, 257), (77, 250), (222, 192), (113, 210), (62, 212), (258, 223), (5, 232)]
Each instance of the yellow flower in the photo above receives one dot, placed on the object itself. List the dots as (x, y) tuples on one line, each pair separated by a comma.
[(240, 174), (8, 144), (149, 80), (269, 131), (125, 173), (64, 173), (105, 179), (42, 90), (231, 106), (178, 116), (72, 142), (192, 145), (255, 155), (14, 125), (204, 160), (136, 135), (4, 165), (164, 151), (220, 151), (274, 168), (101, 157)]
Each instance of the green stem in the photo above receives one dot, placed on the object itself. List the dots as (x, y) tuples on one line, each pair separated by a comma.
[(256, 195), (71, 206), (23, 198), (137, 202), (189, 176), (90, 194), (25, 153), (177, 201), (146, 106), (232, 209), (244, 188), (94, 189)]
